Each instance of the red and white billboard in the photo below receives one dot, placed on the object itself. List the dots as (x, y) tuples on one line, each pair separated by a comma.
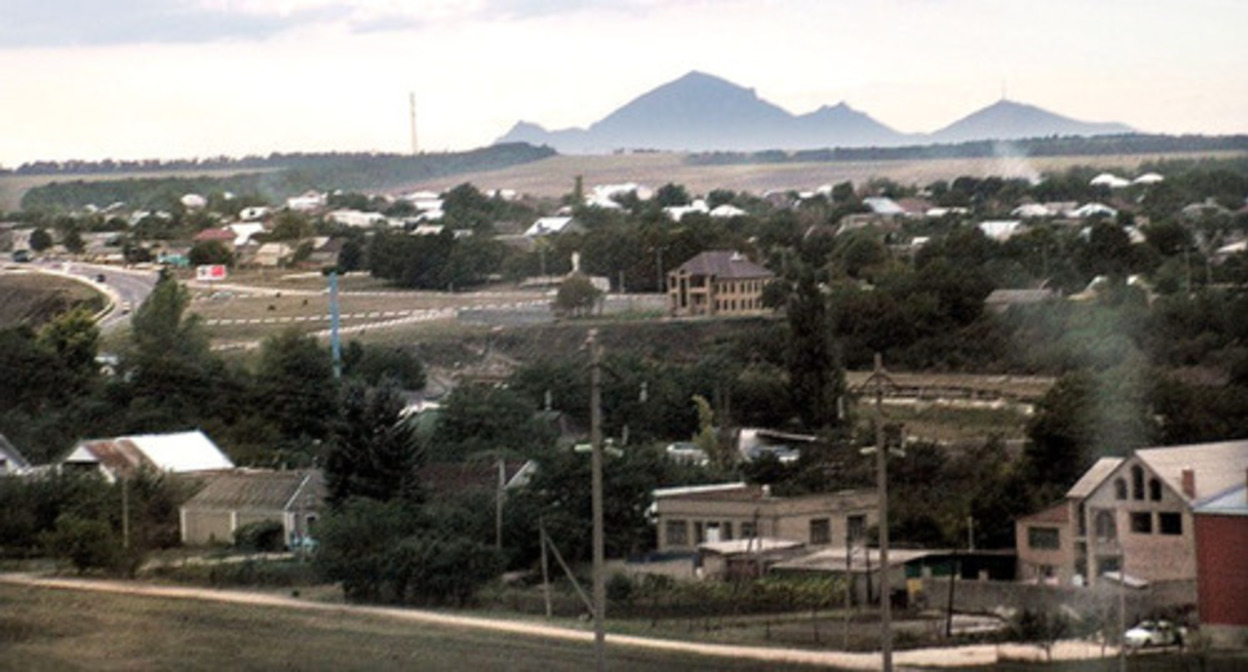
[(210, 273)]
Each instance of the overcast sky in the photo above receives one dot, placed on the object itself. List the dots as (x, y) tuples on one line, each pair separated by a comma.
[(128, 79)]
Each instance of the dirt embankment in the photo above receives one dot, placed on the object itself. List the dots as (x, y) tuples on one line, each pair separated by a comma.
[(35, 299)]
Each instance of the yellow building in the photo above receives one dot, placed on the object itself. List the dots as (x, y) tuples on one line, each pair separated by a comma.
[(717, 283)]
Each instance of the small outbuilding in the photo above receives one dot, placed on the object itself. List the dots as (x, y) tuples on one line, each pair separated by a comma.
[(230, 501)]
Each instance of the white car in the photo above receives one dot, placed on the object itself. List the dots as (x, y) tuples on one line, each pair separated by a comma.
[(1153, 633)]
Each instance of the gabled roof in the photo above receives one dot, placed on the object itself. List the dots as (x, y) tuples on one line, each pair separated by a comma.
[(724, 264), (1093, 477), (180, 452), (1216, 466), (546, 226), (1058, 513), (260, 490), (11, 459), (450, 478)]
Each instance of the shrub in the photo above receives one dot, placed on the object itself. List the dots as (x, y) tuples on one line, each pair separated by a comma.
[(264, 536)]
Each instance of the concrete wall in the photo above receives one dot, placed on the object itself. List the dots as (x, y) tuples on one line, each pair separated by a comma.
[(993, 596)]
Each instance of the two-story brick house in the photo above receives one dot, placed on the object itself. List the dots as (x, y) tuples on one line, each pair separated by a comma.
[(1131, 514), (717, 283)]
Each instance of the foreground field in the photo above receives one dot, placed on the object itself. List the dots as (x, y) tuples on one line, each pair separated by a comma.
[(110, 631)]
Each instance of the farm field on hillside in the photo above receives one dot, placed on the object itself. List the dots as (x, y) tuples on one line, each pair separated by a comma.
[(556, 176)]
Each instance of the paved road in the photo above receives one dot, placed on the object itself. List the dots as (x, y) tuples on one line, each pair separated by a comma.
[(125, 288), (985, 655)]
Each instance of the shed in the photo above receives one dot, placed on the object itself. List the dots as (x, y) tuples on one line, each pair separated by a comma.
[(230, 501)]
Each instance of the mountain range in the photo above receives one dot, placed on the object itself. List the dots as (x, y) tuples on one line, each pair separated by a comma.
[(700, 112)]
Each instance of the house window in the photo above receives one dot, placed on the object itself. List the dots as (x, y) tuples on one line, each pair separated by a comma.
[(699, 532), (1137, 482), (1044, 538), (1106, 528), (1170, 523), (677, 533), (1142, 522), (820, 532), (727, 530), (1120, 488), (1154, 489), (856, 528), (748, 531)]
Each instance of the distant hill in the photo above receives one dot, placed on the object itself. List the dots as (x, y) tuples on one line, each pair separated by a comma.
[(700, 112), (1009, 120)]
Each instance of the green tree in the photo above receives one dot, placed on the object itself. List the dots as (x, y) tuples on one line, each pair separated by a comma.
[(295, 387), (577, 296), (817, 381), (210, 252), (375, 452), (40, 239), (73, 242), (671, 194), (75, 339)]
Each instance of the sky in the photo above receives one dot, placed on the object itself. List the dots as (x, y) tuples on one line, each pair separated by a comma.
[(170, 79)]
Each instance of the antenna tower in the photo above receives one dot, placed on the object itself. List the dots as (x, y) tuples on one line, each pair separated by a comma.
[(411, 101)]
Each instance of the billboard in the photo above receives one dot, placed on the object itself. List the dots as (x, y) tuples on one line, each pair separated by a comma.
[(210, 272)]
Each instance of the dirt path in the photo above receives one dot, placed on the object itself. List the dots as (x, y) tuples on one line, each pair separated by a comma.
[(943, 657)]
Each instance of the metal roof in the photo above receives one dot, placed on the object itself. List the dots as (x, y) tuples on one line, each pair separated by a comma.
[(724, 264), (259, 490)]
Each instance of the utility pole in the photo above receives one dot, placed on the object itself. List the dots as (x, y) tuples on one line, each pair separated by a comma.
[(595, 438), (878, 381), (335, 344)]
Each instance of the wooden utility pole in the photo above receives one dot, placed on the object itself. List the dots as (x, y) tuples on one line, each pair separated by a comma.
[(595, 438), (881, 474)]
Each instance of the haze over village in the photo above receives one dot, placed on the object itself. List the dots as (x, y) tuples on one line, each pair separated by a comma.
[(841, 335)]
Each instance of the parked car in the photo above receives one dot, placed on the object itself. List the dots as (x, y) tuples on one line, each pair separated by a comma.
[(1153, 633)]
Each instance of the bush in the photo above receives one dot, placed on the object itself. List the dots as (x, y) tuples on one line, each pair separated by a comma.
[(86, 543), (264, 536)]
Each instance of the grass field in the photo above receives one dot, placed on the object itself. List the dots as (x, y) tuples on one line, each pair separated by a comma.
[(55, 629), (36, 298)]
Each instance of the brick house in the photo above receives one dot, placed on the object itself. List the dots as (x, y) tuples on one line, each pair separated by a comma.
[(1137, 509), (717, 283), (692, 516), (1221, 523)]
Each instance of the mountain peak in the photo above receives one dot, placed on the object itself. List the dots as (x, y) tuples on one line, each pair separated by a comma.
[(1011, 120), (699, 111)]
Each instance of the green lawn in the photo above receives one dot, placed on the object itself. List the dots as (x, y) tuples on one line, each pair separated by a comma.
[(57, 629)]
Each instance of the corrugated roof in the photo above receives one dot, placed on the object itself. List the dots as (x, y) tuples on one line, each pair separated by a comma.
[(1217, 466), (261, 490), (179, 452), (725, 265)]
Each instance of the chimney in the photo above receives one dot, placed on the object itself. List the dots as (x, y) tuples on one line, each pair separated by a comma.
[(1189, 483)]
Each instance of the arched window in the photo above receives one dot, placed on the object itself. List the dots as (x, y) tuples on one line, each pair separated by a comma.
[(1137, 482), (1154, 489), (1120, 488), (1106, 528)]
